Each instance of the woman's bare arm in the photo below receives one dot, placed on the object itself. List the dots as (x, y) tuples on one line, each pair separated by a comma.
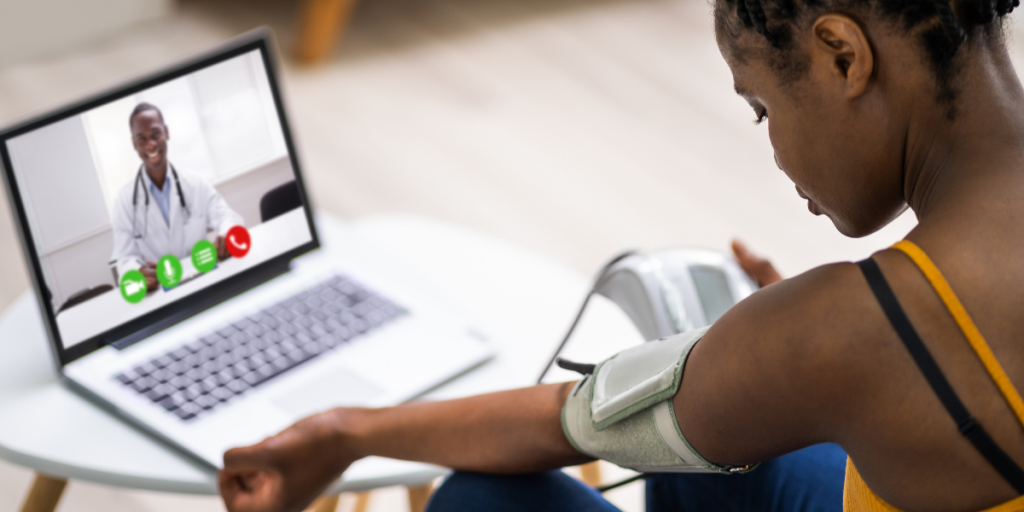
[(505, 432), (512, 431)]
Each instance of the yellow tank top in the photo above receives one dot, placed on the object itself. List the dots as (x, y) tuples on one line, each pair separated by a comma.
[(857, 497)]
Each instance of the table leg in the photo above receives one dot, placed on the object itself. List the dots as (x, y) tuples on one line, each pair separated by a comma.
[(322, 21), (362, 502), (44, 494), (591, 473), (419, 496)]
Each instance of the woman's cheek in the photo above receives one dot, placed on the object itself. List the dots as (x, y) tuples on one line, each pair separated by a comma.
[(790, 155), (781, 152)]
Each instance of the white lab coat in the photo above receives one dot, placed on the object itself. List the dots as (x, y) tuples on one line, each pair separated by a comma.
[(142, 235)]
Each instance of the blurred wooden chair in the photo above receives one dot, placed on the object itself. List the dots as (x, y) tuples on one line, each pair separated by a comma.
[(322, 22)]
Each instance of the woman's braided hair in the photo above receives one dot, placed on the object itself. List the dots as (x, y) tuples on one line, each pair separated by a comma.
[(943, 27)]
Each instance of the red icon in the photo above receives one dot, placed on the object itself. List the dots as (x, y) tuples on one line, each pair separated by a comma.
[(238, 242)]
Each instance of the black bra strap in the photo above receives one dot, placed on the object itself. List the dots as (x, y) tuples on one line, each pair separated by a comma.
[(966, 423)]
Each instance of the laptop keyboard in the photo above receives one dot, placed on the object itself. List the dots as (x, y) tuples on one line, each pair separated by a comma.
[(212, 370)]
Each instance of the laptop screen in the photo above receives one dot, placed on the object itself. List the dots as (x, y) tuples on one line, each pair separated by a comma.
[(150, 197)]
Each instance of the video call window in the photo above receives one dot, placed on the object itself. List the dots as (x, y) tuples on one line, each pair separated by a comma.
[(149, 198), (223, 124)]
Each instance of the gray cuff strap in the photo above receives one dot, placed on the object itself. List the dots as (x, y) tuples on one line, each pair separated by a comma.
[(623, 413), (640, 377)]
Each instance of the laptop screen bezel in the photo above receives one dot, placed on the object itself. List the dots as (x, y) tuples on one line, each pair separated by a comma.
[(180, 310)]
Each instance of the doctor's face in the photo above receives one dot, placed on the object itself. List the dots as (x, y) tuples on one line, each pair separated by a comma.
[(150, 136)]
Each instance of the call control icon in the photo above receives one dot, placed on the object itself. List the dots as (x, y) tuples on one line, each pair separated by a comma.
[(168, 271), (237, 241), (204, 256), (133, 286)]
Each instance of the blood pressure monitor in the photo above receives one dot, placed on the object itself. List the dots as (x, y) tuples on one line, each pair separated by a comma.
[(675, 290), (665, 292)]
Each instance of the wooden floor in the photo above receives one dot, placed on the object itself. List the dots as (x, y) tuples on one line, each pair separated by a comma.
[(573, 127)]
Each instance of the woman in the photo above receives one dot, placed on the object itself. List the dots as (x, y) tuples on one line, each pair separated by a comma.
[(874, 106)]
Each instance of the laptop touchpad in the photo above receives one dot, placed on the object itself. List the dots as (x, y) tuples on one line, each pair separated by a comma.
[(333, 389)]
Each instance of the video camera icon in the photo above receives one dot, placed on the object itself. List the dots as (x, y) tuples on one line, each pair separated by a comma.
[(133, 286)]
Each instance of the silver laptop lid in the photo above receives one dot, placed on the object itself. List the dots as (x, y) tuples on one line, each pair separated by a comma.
[(144, 205)]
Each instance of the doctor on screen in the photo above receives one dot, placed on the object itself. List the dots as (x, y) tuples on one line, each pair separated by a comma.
[(164, 210)]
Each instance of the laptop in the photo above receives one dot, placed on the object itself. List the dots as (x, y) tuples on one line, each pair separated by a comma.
[(174, 254)]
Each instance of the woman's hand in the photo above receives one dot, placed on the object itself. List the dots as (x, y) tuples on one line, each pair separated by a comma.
[(288, 471), (755, 266)]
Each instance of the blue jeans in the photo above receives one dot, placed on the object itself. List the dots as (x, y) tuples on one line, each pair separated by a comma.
[(803, 481)]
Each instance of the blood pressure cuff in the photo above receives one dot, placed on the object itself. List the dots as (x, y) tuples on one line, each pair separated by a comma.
[(623, 412)]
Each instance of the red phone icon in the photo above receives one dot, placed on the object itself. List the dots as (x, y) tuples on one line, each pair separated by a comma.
[(237, 241)]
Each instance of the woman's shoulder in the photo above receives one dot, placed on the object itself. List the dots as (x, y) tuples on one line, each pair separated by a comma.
[(818, 307), (824, 326), (792, 360)]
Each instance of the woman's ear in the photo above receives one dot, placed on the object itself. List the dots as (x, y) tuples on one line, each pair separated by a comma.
[(844, 46)]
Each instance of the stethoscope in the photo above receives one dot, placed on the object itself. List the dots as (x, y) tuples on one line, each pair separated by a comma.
[(135, 201)]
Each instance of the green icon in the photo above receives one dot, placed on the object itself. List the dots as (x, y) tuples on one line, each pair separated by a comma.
[(168, 271), (133, 286), (204, 256)]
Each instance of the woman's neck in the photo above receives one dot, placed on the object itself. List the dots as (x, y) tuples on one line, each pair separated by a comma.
[(947, 159)]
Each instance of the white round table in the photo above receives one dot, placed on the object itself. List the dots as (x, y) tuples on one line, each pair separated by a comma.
[(522, 300)]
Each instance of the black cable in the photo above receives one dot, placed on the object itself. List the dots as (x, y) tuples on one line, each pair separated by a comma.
[(604, 488), (569, 365), (580, 368), (593, 289)]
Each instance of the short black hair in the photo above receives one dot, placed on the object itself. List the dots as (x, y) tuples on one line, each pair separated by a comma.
[(142, 107), (940, 26)]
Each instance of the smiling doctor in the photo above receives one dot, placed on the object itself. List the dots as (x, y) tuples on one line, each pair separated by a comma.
[(164, 210)]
